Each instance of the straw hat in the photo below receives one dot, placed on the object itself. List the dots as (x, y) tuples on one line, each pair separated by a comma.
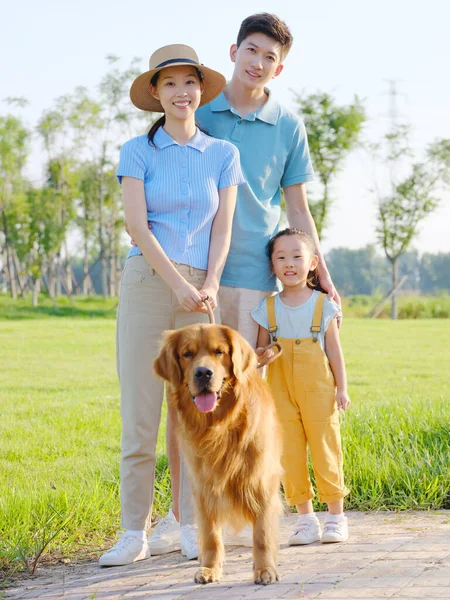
[(174, 55)]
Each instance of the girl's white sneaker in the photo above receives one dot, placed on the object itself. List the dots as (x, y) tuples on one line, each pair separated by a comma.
[(335, 531), (306, 531)]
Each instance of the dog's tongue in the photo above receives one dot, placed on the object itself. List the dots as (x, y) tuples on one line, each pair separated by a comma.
[(206, 402)]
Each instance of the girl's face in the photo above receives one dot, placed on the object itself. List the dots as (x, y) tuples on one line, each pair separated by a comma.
[(292, 260), (179, 90)]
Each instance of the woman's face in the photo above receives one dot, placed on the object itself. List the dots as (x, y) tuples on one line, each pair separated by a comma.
[(179, 90)]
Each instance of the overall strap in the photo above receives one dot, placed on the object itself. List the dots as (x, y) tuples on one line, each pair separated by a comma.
[(317, 318), (270, 302)]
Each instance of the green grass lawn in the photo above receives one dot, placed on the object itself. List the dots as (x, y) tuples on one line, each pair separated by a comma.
[(60, 428)]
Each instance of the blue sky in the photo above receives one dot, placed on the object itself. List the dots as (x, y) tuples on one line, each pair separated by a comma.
[(343, 47)]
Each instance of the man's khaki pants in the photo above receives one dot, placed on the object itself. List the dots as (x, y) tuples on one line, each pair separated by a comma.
[(147, 307), (236, 305)]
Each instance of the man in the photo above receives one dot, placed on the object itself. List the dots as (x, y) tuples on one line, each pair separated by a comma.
[(274, 155)]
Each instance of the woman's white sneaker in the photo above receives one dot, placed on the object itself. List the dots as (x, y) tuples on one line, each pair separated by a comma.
[(129, 549), (306, 531), (166, 536), (335, 531), (189, 541)]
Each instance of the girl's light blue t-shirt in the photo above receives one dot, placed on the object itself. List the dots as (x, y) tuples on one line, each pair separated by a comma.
[(295, 322)]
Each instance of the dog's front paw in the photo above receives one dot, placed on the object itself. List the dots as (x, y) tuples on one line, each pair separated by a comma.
[(207, 575), (266, 575)]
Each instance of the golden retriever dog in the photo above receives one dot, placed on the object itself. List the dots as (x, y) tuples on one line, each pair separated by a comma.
[(230, 440)]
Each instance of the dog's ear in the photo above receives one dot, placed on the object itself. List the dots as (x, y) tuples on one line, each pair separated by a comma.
[(243, 357), (166, 364)]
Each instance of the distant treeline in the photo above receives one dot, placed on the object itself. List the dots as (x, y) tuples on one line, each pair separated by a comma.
[(361, 272), (364, 271)]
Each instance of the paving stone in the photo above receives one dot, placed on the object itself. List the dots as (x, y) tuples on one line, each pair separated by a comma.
[(420, 592), (387, 555), (308, 590), (358, 593)]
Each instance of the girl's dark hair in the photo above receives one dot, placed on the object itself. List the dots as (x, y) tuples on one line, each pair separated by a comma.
[(312, 280), (160, 122)]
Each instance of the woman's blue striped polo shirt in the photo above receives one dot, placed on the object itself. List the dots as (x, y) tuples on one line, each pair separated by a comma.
[(181, 185)]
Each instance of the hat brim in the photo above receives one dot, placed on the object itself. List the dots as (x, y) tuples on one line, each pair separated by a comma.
[(213, 84)]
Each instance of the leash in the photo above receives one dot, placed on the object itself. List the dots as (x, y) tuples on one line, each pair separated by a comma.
[(212, 320), (260, 364)]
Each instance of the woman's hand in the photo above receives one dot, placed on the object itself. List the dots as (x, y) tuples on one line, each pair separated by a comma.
[(342, 400), (210, 295), (190, 298)]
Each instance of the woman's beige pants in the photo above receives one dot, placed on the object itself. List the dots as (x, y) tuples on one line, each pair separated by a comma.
[(147, 307)]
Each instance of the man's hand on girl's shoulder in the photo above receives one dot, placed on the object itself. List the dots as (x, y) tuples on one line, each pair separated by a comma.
[(332, 293)]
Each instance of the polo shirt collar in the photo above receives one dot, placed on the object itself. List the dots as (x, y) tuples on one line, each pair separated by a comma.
[(269, 112), (163, 140)]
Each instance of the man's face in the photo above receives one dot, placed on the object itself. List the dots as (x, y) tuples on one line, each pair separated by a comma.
[(257, 60)]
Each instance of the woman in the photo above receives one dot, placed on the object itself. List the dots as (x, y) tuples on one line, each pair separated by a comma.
[(184, 183)]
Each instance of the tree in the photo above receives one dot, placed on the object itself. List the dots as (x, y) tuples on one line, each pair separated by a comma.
[(435, 272), (61, 186), (98, 124), (413, 197), (360, 271), (14, 148), (333, 132)]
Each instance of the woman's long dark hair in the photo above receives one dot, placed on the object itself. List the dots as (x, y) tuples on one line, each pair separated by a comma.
[(312, 280), (161, 121)]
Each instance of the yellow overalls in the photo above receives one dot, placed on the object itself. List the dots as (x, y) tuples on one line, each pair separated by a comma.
[(304, 390)]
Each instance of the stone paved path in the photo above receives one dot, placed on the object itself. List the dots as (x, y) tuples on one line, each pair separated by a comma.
[(404, 555)]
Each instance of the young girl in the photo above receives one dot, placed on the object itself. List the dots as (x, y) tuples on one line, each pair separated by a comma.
[(184, 182), (309, 385)]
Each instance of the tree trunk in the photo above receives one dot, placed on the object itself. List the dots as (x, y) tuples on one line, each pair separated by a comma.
[(20, 280), (11, 272), (67, 270), (323, 211), (112, 256), (58, 275), (118, 274), (51, 277), (4, 274), (36, 290), (87, 283), (101, 229), (394, 312), (9, 262), (112, 276)]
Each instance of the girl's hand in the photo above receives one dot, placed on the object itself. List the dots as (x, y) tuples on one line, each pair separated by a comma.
[(210, 295), (190, 298), (342, 400), (264, 354)]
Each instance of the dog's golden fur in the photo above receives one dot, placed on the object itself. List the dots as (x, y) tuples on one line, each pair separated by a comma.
[(232, 452)]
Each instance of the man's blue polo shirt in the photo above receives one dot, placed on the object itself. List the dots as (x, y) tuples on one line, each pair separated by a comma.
[(274, 154)]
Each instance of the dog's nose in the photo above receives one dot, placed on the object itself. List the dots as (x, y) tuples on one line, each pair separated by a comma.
[(203, 374)]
